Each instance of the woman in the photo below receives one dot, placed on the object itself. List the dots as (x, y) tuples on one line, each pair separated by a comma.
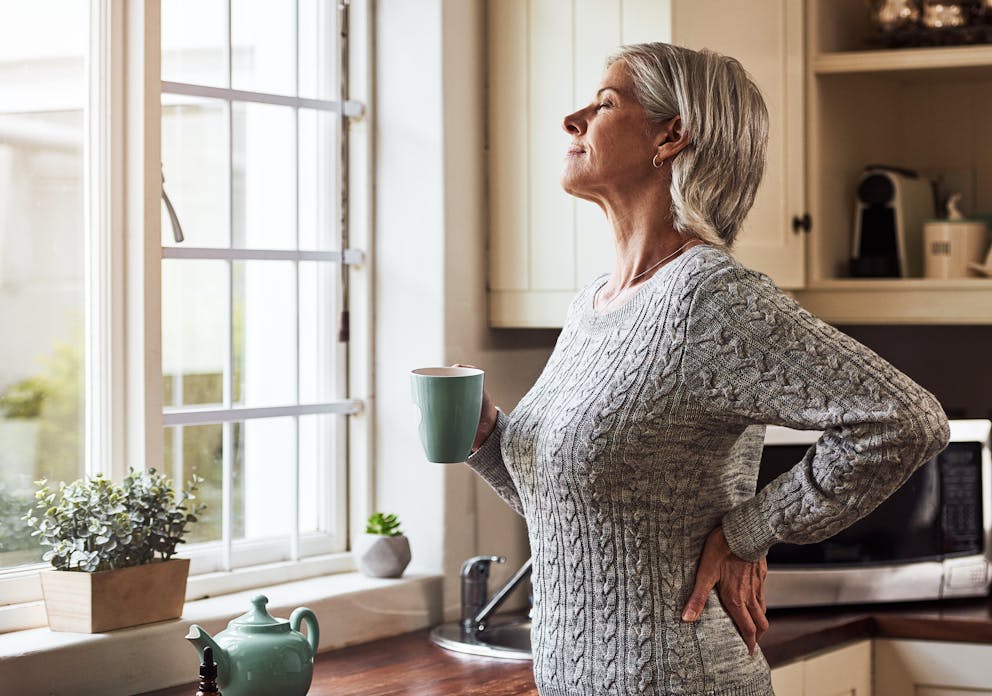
[(634, 457)]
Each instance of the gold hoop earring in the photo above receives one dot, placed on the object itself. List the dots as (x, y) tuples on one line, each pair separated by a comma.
[(656, 163)]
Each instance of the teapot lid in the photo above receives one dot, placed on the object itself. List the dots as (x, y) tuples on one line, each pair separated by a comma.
[(258, 618)]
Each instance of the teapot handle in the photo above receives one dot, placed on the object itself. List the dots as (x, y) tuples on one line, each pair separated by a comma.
[(313, 631)]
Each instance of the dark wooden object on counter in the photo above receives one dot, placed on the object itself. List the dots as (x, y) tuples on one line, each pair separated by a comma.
[(413, 666)]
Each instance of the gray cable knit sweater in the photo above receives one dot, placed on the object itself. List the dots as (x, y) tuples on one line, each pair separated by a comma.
[(644, 432)]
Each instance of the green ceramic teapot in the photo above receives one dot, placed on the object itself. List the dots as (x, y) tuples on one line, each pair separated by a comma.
[(259, 655)]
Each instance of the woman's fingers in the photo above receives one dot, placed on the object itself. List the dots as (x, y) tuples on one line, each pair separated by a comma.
[(697, 600), (740, 587), (756, 604), (707, 575), (736, 607), (757, 600), (762, 574), (741, 592), (758, 619)]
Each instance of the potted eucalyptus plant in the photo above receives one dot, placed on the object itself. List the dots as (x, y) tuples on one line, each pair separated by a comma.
[(113, 547), (383, 551)]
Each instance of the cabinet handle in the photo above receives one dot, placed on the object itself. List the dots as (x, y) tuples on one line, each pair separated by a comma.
[(804, 223)]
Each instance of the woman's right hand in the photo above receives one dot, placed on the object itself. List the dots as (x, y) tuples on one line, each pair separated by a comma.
[(487, 418)]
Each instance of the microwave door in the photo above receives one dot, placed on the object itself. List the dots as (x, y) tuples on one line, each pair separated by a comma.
[(928, 540), (905, 527)]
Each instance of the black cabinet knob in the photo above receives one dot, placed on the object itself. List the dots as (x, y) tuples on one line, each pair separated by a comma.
[(804, 223)]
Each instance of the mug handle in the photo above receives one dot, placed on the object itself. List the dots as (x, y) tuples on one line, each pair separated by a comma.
[(313, 630)]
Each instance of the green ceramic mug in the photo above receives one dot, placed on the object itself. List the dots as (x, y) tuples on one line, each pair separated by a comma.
[(450, 403)]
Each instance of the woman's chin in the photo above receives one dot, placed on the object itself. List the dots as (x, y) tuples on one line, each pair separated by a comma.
[(572, 186)]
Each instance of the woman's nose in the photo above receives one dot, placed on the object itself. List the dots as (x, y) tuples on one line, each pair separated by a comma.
[(574, 124)]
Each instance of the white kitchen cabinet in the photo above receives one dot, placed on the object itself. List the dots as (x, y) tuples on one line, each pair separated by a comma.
[(767, 38), (787, 680), (834, 108), (546, 58), (844, 671), (932, 668)]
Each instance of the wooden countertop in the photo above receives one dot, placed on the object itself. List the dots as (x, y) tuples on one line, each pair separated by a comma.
[(410, 664)]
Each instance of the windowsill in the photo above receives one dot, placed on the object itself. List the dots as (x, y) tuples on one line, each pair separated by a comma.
[(350, 608)]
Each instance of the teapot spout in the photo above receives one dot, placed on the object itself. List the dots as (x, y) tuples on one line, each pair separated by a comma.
[(200, 640)]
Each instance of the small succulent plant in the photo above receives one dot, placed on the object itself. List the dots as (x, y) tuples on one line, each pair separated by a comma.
[(383, 525), (94, 524)]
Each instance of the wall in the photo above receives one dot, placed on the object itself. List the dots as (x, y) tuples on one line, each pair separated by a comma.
[(951, 361), (430, 287)]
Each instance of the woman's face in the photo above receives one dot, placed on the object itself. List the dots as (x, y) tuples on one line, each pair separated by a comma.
[(612, 141)]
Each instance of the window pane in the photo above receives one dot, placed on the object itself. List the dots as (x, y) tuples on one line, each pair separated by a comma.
[(193, 44), (318, 61), (43, 92), (264, 333), (194, 331), (263, 46), (198, 449), (317, 483), (265, 456), (264, 169), (318, 195), (320, 357), (195, 166)]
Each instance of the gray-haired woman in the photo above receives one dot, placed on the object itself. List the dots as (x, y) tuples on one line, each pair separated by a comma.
[(634, 456)]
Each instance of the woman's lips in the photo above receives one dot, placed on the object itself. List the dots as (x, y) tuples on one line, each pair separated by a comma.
[(573, 151)]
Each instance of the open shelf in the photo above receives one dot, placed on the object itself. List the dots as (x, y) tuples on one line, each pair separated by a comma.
[(907, 63), (890, 284), (895, 301)]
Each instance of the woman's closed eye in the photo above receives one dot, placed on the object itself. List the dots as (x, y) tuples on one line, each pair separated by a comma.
[(604, 105)]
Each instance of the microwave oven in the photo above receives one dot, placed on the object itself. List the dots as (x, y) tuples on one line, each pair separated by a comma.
[(928, 540)]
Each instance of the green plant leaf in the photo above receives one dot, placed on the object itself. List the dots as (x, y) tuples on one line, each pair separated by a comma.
[(95, 524)]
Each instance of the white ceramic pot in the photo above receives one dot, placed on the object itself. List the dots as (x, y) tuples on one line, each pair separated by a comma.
[(382, 556)]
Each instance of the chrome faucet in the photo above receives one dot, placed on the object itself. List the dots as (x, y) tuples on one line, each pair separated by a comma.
[(475, 576)]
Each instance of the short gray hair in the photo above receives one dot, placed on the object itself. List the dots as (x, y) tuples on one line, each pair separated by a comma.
[(715, 178)]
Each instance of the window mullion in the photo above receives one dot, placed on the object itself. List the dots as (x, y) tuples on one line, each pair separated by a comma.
[(227, 443), (142, 154), (294, 523), (94, 244), (104, 242), (227, 493)]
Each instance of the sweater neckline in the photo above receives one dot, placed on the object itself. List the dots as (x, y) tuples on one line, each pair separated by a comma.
[(618, 316)]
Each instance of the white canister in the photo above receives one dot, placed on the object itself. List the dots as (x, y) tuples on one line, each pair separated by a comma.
[(950, 246)]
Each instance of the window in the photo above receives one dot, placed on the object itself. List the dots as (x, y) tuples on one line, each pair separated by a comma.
[(43, 104), (252, 388), (253, 372)]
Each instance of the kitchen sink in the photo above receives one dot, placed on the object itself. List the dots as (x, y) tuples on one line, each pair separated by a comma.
[(505, 635)]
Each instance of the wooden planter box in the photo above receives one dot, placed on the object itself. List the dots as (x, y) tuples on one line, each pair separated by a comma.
[(110, 599)]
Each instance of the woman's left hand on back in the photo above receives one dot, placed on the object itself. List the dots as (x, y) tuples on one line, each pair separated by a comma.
[(740, 585)]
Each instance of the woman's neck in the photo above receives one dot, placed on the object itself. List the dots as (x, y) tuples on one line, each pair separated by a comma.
[(643, 234), (644, 245)]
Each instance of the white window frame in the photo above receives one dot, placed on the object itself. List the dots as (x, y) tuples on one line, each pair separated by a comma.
[(124, 412), (229, 554)]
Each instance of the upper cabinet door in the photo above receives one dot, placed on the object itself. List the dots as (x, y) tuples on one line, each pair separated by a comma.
[(766, 36), (546, 58)]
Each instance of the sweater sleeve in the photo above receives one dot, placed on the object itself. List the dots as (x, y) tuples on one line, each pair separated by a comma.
[(487, 461), (754, 355)]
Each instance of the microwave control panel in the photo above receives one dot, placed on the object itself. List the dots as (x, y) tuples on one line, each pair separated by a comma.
[(961, 487)]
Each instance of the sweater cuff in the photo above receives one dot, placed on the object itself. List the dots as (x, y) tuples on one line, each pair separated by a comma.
[(489, 455), (747, 531)]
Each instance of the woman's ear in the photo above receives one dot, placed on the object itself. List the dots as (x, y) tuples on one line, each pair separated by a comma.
[(672, 139)]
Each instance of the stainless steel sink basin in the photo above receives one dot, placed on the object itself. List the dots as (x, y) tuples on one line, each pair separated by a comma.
[(506, 636)]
